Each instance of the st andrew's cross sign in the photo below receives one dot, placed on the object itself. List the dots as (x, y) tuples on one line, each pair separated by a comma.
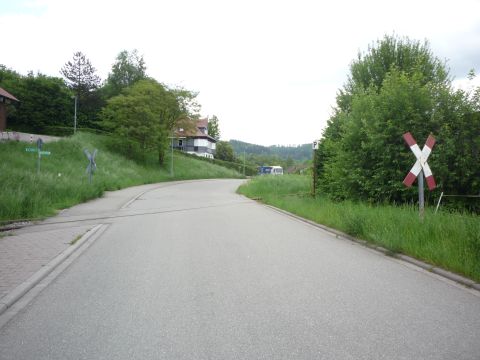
[(92, 165), (421, 163)]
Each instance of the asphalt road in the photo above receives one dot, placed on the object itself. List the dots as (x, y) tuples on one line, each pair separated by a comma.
[(208, 274)]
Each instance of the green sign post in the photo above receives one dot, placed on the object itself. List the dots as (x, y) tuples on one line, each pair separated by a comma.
[(38, 150)]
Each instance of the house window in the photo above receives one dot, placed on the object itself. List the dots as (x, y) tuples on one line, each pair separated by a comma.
[(180, 143)]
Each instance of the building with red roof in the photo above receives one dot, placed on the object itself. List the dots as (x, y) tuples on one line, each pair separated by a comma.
[(196, 141)]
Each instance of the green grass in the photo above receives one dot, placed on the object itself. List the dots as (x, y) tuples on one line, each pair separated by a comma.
[(63, 182), (448, 240)]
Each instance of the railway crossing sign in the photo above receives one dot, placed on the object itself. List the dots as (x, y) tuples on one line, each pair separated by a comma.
[(92, 166), (421, 163), (420, 168)]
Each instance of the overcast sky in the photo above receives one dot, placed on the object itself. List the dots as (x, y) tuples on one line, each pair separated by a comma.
[(269, 70)]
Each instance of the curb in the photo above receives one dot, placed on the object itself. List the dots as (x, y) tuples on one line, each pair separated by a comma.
[(423, 265), (132, 200), (17, 293)]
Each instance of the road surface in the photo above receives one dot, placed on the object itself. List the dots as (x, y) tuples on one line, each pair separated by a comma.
[(193, 271)]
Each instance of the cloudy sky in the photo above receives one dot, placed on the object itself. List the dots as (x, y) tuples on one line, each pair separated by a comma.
[(268, 69)]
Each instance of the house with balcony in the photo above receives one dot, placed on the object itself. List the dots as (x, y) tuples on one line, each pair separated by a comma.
[(196, 141)]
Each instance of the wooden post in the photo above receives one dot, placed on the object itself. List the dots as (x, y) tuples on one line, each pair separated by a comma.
[(314, 175)]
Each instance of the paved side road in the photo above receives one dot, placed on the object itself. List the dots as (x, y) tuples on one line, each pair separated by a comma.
[(25, 251), (194, 271)]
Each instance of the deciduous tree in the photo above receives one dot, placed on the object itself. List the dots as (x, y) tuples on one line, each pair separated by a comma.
[(224, 151), (214, 127), (142, 117), (45, 101), (128, 68)]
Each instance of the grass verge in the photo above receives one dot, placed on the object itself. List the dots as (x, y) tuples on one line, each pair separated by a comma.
[(62, 181), (448, 240)]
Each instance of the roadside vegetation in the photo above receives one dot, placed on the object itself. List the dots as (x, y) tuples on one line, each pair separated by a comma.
[(398, 85), (63, 182), (450, 240)]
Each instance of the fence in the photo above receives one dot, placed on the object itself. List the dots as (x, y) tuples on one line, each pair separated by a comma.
[(442, 195)]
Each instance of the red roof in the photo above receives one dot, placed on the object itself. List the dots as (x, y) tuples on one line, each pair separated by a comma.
[(202, 123), (6, 94), (200, 132)]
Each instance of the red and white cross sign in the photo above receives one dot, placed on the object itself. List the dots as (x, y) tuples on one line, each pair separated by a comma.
[(421, 163)]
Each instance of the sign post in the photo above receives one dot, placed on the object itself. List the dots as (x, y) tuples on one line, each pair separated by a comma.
[(39, 151), (92, 165), (420, 168), (314, 169), (39, 147)]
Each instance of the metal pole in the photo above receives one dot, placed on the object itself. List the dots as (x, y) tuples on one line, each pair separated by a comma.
[(171, 160), (314, 174), (75, 117), (421, 195), (38, 162)]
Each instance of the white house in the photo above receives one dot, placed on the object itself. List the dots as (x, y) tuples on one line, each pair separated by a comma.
[(196, 142)]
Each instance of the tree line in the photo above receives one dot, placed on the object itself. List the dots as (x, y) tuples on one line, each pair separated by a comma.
[(138, 111), (299, 153), (399, 86)]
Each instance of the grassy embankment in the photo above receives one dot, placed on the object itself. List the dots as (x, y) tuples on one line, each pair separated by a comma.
[(63, 182), (448, 240)]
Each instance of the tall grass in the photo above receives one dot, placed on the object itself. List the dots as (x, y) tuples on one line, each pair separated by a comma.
[(63, 182), (448, 240)]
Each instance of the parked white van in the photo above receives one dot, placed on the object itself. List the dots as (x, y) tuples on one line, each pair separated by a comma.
[(277, 170)]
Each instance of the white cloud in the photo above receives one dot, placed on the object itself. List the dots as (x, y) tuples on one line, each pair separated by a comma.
[(268, 69)]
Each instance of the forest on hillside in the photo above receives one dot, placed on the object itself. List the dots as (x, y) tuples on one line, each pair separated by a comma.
[(297, 153), (291, 158)]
